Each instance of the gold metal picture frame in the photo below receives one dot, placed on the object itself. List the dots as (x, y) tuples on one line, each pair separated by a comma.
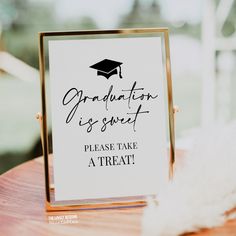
[(51, 204)]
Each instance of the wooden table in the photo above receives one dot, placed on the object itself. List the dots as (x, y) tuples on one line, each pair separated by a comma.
[(22, 211)]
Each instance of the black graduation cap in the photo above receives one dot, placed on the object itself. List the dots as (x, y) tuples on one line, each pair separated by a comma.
[(107, 68)]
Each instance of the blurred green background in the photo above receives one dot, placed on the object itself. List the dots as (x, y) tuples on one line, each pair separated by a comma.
[(21, 20)]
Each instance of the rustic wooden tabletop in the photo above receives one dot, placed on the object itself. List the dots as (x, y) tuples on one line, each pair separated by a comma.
[(22, 211)]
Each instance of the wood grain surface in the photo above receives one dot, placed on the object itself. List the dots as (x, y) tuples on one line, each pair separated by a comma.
[(22, 211)]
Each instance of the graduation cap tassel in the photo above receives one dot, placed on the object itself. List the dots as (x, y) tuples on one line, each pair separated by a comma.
[(120, 72)]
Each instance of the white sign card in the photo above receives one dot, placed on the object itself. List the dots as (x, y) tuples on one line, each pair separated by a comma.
[(108, 117)]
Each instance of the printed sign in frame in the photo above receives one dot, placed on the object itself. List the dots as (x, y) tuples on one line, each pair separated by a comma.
[(107, 106)]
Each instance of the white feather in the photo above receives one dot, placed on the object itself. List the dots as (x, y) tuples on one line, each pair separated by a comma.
[(202, 190)]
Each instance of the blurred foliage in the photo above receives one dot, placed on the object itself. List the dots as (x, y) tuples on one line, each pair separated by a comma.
[(150, 16), (21, 26), (229, 26), (23, 19)]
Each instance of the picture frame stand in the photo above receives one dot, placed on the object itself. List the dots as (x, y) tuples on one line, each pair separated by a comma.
[(142, 41)]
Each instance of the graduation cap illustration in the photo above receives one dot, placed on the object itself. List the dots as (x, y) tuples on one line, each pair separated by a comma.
[(107, 68)]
